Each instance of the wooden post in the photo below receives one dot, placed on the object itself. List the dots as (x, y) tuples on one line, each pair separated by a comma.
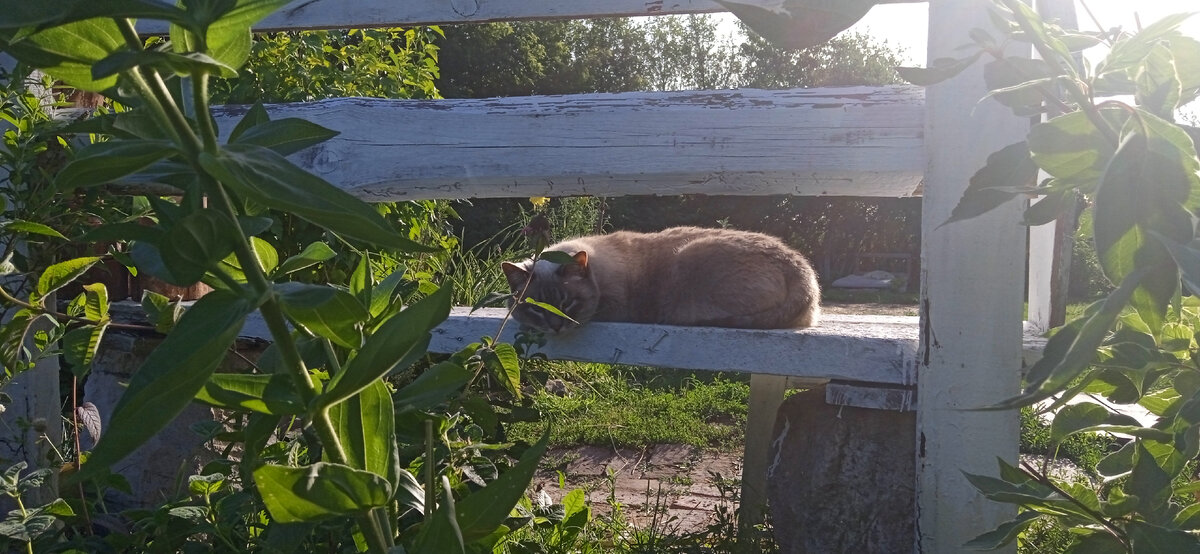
[(972, 282), (766, 395), (1050, 245)]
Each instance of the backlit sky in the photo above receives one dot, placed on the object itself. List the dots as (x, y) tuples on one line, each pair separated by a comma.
[(904, 25)]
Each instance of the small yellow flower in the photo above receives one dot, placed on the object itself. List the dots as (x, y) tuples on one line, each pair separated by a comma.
[(539, 201)]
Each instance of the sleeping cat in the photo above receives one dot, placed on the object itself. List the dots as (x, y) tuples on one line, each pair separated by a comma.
[(680, 276)]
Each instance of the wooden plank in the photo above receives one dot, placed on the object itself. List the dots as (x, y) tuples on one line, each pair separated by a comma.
[(359, 14), (766, 395), (858, 141), (874, 397), (971, 300), (872, 349)]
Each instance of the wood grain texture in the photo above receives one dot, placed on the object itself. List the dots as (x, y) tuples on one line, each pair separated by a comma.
[(971, 293), (873, 349), (844, 141), (358, 14)]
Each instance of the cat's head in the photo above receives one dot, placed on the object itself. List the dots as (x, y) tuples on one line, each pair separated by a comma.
[(566, 286)]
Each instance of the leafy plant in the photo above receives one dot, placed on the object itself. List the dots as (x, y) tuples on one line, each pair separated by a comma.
[(1139, 170), (332, 345)]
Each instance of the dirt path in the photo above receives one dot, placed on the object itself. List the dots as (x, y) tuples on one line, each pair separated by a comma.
[(673, 488)]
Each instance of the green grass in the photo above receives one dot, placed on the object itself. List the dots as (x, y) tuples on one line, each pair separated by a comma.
[(633, 407)]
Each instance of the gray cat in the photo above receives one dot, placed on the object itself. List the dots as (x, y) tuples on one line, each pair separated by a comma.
[(680, 276)]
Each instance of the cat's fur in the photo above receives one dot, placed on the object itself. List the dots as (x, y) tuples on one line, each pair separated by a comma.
[(680, 276)]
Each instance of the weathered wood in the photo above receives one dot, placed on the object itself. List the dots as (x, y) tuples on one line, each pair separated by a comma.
[(889, 398), (972, 277), (855, 141), (1050, 245), (873, 349), (766, 395), (347, 14)]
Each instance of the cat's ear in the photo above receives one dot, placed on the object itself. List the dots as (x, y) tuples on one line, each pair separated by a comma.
[(517, 276), (577, 270)]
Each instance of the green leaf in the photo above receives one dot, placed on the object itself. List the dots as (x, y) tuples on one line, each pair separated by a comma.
[(1131, 51), (550, 308), (366, 427), (1138, 193), (1048, 208), (939, 70), (434, 386), (80, 346), (32, 228), (95, 306), (229, 36), (1153, 539), (67, 52), (1149, 483), (503, 361), (441, 532), (61, 274), (1019, 82), (1159, 89), (481, 512), (382, 293), (1070, 148), (1002, 535), (324, 311), (400, 339), (170, 377), (104, 162), (312, 254), (195, 244), (265, 254), (266, 394), (1084, 415), (256, 115), (318, 491), (285, 136), (192, 63), (266, 177), (1010, 167), (1073, 348), (15, 14)]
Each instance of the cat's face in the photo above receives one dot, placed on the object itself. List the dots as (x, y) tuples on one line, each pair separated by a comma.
[(568, 287)]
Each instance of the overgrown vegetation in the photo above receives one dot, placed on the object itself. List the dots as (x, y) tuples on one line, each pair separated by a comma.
[(350, 478), (1140, 172)]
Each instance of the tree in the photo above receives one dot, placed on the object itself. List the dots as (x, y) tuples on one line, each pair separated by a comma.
[(297, 66), (847, 59)]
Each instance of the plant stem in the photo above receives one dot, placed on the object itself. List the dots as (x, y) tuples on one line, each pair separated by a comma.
[(200, 100), (1081, 99), (157, 97), (6, 297), (272, 313)]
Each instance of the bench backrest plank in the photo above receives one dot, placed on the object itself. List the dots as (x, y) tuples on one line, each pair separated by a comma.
[(846, 141)]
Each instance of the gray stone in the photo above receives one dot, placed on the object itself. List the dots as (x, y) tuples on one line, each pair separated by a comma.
[(842, 477), (157, 470)]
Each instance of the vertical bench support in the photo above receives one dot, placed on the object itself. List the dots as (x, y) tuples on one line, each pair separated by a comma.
[(766, 395), (972, 284)]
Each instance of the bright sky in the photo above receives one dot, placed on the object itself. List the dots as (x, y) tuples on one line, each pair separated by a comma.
[(904, 25)]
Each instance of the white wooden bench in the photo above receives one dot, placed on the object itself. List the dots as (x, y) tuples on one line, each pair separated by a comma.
[(964, 350)]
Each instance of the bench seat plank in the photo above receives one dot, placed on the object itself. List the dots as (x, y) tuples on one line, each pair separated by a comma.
[(865, 348)]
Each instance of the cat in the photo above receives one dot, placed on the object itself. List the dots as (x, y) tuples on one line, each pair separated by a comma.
[(680, 276)]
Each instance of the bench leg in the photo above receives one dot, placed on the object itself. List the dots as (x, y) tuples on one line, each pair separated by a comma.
[(766, 394)]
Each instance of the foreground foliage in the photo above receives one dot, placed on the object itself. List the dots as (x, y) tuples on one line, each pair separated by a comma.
[(346, 481), (1139, 171)]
